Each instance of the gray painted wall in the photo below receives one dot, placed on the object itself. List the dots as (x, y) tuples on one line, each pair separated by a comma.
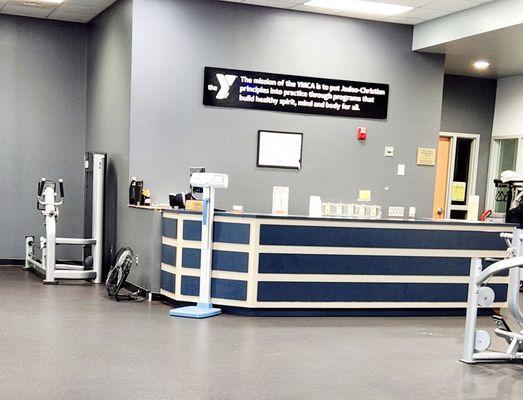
[(468, 107), (108, 118), (173, 40), (42, 125), (108, 111)]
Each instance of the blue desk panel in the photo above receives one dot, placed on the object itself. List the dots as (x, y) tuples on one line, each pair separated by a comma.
[(369, 292), (169, 228), (168, 281), (168, 254), (298, 235), (222, 260), (362, 265), (224, 232), (220, 288)]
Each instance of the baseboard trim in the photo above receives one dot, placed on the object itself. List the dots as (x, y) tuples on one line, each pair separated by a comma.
[(11, 261)]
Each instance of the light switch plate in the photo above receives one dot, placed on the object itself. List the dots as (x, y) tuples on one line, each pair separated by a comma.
[(389, 151), (401, 169), (396, 211)]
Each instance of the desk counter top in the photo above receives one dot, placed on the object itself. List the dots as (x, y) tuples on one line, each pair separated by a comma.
[(340, 219)]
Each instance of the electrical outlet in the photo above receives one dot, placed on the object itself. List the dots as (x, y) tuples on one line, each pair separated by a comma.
[(137, 260), (396, 211), (389, 151)]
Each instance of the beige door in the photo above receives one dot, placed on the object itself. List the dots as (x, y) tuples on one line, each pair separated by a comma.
[(442, 172)]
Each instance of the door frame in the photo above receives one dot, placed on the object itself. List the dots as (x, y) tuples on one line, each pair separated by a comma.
[(493, 166), (473, 169)]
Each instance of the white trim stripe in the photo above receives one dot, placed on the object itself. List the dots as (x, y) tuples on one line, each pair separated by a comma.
[(384, 305), (324, 305), (333, 278), (434, 226), (372, 278), (375, 251)]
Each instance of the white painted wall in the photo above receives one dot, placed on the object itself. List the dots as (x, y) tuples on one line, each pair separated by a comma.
[(470, 22), (508, 115)]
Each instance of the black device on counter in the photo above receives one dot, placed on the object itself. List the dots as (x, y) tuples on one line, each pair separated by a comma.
[(177, 200), (135, 192)]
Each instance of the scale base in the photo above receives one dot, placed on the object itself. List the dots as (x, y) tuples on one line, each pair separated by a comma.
[(198, 311)]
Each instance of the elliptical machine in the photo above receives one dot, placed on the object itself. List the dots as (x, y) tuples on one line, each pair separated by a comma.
[(48, 200), (477, 342)]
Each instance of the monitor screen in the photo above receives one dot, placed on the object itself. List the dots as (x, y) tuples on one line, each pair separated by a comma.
[(193, 170)]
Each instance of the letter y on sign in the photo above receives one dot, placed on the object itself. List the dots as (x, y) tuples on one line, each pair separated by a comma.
[(226, 82)]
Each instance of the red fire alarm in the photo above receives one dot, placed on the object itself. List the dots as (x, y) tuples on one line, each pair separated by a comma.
[(362, 133)]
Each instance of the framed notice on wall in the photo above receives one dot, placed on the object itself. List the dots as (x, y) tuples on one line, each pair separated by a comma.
[(279, 149)]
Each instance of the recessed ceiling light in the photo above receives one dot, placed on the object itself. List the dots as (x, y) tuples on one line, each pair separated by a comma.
[(39, 3), (360, 6), (481, 64)]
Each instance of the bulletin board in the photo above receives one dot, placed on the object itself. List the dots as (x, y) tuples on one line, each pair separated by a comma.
[(279, 149)]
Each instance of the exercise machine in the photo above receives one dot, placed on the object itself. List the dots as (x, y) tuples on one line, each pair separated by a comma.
[(50, 195), (477, 342), (203, 309)]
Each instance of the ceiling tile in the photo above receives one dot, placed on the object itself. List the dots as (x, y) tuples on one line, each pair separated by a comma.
[(71, 10), (92, 3), (317, 10), (411, 3), (82, 10), (71, 17), (272, 3), (425, 13), (352, 14), (400, 19), (40, 11), (452, 5)]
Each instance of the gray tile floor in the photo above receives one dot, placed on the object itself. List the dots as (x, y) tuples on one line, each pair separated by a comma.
[(72, 342)]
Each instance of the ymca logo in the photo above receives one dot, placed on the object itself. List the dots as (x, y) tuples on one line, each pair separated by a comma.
[(225, 82)]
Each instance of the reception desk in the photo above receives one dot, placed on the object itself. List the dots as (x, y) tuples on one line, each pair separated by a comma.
[(270, 265)]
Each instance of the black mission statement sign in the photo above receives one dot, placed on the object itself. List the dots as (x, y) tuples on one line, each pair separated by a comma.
[(298, 94)]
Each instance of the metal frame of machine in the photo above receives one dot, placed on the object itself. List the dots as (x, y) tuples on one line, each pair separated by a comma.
[(92, 245), (477, 342)]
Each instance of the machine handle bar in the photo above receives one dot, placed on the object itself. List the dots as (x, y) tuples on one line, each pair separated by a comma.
[(59, 203), (41, 186), (497, 267), (61, 184)]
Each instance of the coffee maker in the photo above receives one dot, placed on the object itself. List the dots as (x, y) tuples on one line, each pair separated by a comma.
[(135, 191)]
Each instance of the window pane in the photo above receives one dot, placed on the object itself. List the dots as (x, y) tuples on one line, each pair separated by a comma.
[(507, 161)]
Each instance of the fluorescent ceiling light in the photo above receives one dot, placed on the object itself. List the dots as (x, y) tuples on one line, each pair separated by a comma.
[(360, 6), (481, 64), (40, 2)]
